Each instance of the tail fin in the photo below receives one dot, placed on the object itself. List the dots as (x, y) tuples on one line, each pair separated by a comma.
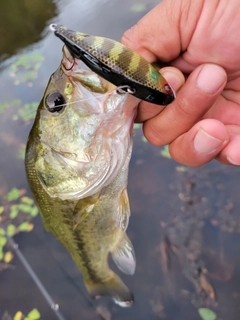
[(114, 288)]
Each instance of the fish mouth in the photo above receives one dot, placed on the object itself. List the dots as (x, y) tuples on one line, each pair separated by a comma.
[(76, 70)]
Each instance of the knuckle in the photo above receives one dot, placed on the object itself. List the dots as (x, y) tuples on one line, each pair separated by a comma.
[(131, 36), (154, 134), (183, 108)]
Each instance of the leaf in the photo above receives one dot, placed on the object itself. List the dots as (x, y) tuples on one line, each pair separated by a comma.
[(13, 211), (28, 111), (165, 152), (11, 230), (27, 61), (8, 256), (34, 314), (14, 194), (3, 241), (25, 226), (207, 314), (138, 7), (25, 207), (2, 232), (1, 253), (18, 316), (21, 152), (136, 126), (7, 104), (144, 139), (34, 211), (25, 68), (181, 169), (27, 200), (1, 209)]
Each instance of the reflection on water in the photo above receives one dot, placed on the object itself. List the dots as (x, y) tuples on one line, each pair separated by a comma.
[(185, 222), (22, 23)]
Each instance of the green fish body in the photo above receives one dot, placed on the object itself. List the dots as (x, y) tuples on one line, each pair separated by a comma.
[(77, 159), (118, 64)]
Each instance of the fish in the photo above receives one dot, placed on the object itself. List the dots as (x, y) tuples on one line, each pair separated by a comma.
[(77, 161), (118, 64)]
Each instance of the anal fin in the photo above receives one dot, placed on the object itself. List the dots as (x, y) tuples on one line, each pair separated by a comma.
[(112, 287), (124, 255)]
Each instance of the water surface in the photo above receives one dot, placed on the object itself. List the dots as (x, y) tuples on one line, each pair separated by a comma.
[(185, 222)]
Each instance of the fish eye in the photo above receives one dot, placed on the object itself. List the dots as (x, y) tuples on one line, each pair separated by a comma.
[(55, 102)]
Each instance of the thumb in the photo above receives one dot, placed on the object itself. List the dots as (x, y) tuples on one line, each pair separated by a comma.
[(159, 34)]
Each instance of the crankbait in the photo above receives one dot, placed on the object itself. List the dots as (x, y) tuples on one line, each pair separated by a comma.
[(117, 64)]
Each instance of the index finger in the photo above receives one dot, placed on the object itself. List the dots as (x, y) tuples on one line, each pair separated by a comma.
[(148, 110), (162, 34)]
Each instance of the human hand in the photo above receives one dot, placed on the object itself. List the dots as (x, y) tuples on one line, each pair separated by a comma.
[(200, 39)]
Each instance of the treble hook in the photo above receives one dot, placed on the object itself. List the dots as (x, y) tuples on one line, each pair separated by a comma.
[(125, 89)]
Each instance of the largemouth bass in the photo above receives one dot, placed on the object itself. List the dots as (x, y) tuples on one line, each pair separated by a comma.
[(77, 159)]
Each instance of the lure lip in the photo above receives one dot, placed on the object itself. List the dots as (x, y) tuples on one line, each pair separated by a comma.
[(135, 88)]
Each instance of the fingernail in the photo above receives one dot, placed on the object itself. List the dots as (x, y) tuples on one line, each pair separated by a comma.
[(205, 143), (230, 160), (211, 78), (173, 77)]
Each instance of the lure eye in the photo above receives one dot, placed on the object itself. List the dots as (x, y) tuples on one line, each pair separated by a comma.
[(55, 102)]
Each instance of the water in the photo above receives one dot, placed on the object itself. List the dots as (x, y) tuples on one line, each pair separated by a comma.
[(185, 222)]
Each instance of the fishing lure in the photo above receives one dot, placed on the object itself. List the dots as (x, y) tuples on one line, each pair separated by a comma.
[(117, 64)]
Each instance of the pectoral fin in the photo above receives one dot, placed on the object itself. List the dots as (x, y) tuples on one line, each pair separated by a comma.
[(82, 209), (123, 213), (124, 255)]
